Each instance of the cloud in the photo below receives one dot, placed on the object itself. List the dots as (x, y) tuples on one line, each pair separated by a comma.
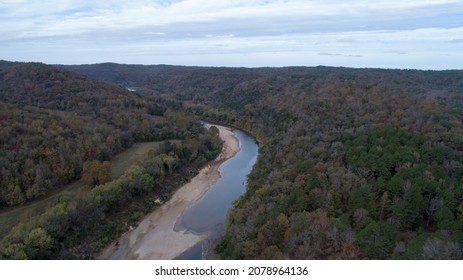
[(147, 31), (55, 18), (455, 41), (155, 33), (330, 54)]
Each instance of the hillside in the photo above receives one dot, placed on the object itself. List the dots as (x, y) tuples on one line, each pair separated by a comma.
[(354, 163), (58, 126), (53, 120)]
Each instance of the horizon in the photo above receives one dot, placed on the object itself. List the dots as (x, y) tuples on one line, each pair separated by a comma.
[(396, 34), (236, 67)]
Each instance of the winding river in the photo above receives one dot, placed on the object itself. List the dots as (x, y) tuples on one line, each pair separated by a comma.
[(191, 218), (209, 213)]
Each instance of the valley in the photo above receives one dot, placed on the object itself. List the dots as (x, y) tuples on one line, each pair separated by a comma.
[(353, 163)]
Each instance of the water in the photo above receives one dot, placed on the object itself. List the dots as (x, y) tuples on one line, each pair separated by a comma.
[(209, 213)]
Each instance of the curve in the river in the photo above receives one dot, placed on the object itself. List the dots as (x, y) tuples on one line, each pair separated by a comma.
[(197, 211), (209, 213)]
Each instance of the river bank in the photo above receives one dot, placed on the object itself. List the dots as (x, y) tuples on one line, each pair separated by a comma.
[(156, 237)]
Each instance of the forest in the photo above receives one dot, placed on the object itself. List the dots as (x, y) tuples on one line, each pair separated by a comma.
[(54, 120), (57, 127), (353, 163)]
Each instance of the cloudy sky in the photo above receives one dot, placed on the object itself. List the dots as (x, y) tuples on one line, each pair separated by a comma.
[(418, 34)]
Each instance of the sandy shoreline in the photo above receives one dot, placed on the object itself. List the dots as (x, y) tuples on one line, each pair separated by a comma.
[(155, 237)]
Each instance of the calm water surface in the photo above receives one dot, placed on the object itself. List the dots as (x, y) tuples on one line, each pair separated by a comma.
[(209, 213)]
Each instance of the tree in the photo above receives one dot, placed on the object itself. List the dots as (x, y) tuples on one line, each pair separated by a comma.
[(377, 240), (14, 251), (437, 249), (95, 172), (38, 243), (273, 232), (214, 130), (272, 253)]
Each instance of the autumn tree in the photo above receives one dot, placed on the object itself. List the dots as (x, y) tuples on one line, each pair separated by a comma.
[(96, 172), (214, 130)]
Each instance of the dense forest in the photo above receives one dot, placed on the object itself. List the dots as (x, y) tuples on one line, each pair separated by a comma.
[(53, 120), (353, 164), (56, 127)]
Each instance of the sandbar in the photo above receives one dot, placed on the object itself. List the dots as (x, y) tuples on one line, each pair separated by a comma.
[(155, 237)]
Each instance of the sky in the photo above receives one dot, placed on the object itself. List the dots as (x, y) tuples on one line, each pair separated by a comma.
[(403, 34)]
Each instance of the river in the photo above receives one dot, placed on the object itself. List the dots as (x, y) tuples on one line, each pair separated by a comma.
[(209, 213), (196, 213)]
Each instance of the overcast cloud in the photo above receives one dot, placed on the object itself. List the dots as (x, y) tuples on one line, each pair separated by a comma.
[(424, 34)]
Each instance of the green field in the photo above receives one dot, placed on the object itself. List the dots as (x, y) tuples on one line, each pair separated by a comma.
[(10, 217)]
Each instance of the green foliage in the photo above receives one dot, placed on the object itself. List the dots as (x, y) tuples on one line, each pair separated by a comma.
[(14, 251), (414, 249), (38, 243), (377, 240)]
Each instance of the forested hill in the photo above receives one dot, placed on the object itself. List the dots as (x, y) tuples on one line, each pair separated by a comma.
[(354, 163), (220, 77), (57, 127), (277, 91), (44, 86), (53, 120)]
